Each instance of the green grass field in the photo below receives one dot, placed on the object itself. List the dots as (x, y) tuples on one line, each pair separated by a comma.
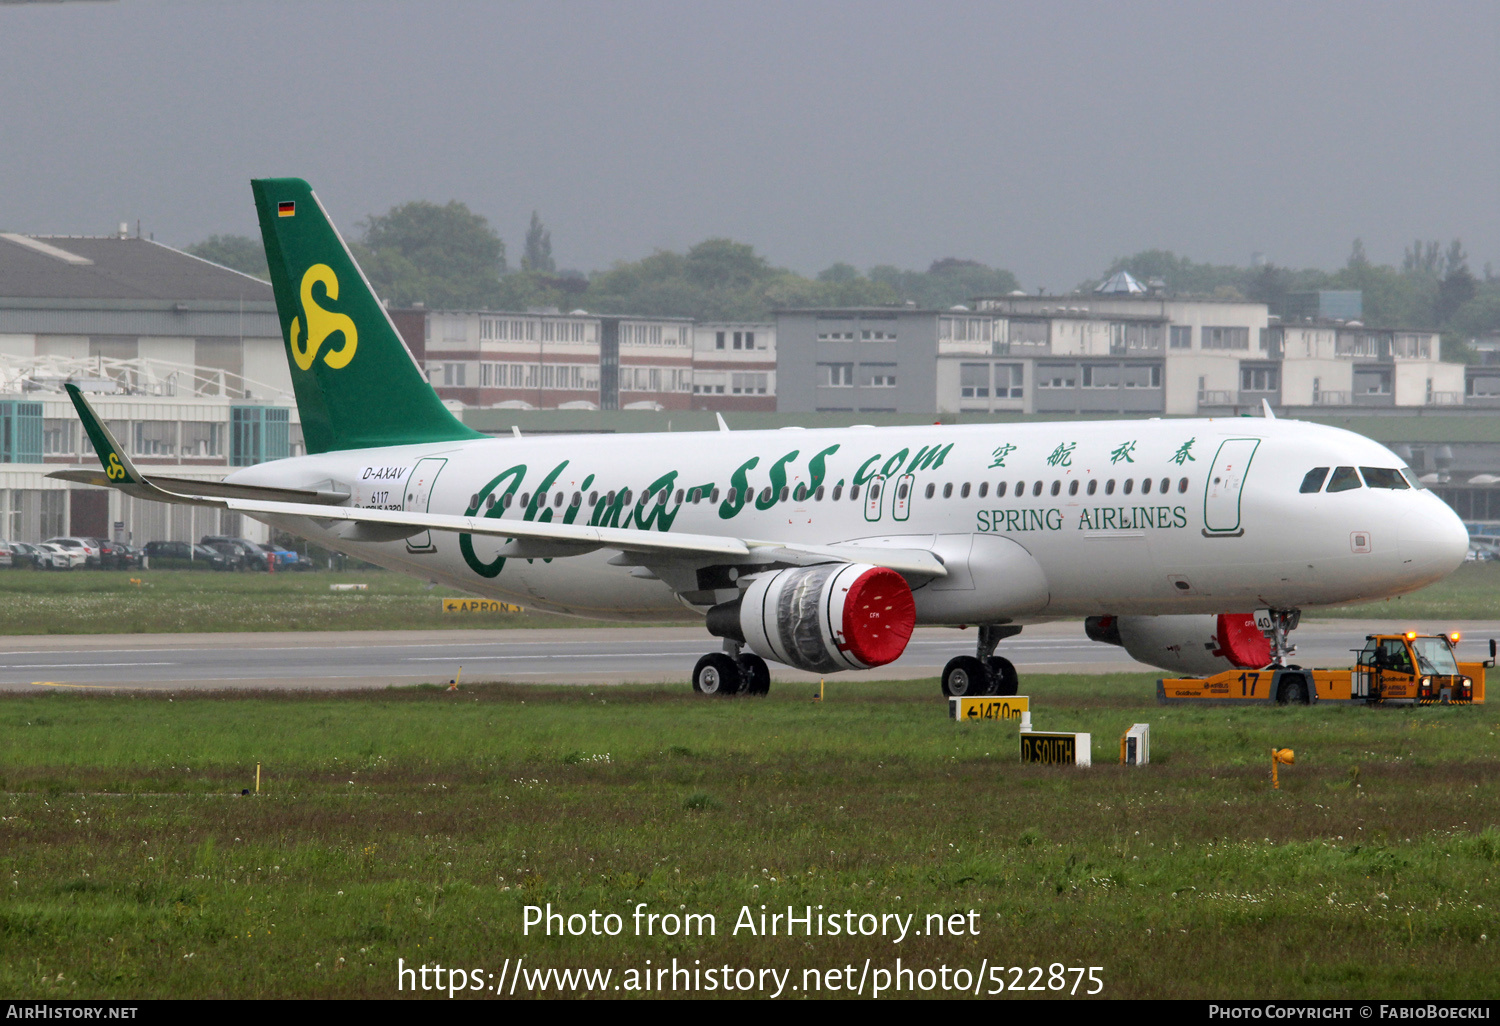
[(417, 824), (173, 601), (169, 601)]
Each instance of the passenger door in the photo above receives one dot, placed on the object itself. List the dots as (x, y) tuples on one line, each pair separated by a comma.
[(1226, 482), (418, 495)]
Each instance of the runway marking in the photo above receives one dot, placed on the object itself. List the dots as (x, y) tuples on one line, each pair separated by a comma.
[(103, 687), (71, 666)]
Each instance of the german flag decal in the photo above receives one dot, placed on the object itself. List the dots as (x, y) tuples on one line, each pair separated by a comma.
[(286, 208)]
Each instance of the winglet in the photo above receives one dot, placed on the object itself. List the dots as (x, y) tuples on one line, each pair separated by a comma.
[(117, 465), (720, 417), (515, 429), (1265, 405)]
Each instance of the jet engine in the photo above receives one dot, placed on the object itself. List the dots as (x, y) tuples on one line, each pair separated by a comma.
[(836, 616), (1186, 644)]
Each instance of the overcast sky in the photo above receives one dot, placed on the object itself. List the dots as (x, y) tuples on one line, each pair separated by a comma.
[(1047, 138)]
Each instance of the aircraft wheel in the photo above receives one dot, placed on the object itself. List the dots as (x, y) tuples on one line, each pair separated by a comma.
[(716, 674), (964, 677), (1293, 690), (1003, 677), (755, 674)]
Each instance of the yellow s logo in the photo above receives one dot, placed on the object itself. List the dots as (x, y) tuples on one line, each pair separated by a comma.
[(322, 323), (114, 470)]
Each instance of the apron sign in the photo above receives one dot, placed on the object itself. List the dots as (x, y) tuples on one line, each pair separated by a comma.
[(478, 606)]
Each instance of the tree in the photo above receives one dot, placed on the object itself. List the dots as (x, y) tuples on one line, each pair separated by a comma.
[(1458, 285), (239, 252), (538, 256), (442, 256), (1357, 256)]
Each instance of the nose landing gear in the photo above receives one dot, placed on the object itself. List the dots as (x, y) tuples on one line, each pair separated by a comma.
[(1276, 624), (982, 673)]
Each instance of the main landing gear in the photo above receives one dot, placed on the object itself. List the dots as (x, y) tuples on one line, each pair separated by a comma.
[(982, 673), (732, 672)]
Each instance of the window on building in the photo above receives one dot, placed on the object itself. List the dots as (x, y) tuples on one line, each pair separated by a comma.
[(1372, 382), (453, 375), (258, 434), (1142, 377), (1226, 338), (835, 336), (1260, 379), (155, 437), (202, 439), (749, 340), (974, 380), (878, 375), (836, 375), (719, 339), (1181, 336), (54, 512), (1010, 380), (58, 437), (1056, 377), (1102, 376)]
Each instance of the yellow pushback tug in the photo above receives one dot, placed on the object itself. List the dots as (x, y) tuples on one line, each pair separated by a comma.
[(1392, 669)]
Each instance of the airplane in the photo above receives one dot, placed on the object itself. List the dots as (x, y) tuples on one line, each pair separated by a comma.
[(818, 549)]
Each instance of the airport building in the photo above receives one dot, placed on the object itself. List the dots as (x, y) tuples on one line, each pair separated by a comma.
[(184, 361), (584, 361)]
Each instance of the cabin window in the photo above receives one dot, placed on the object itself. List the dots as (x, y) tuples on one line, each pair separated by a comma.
[(984, 488), (526, 498), (874, 492), (629, 497), (1314, 480), (578, 499), (1380, 477), (1344, 479), (1129, 485), (1073, 487), (818, 495), (1036, 488), (713, 496), (1182, 486), (1145, 486), (1166, 485), (1020, 489), (489, 501), (1000, 490), (593, 498), (948, 490), (1056, 487), (785, 491), (901, 492), (838, 492), (765, 495), (557, 500), (661, 497), (854, 493), (1093, 485), (1109, 487), (963, 493), (801, 492)]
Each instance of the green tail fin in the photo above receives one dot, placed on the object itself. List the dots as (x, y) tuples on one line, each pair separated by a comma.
[(357, 384)]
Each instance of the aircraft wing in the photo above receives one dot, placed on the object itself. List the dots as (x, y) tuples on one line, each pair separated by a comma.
[(526, 538)]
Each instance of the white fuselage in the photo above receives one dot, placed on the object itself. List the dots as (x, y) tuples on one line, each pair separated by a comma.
[(1221, 527)]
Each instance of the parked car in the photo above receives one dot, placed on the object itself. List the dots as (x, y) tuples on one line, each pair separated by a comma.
[(24, 555), (7, 554), (55, 557), (175, 555), (88, 548), (250, 555), (128, 557), (286, 559)]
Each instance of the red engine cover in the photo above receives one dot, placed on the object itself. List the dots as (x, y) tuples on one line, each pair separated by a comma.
[(1241, 642), (879, 616)]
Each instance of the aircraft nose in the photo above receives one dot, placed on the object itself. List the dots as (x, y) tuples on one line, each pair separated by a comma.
[(1433, 540)]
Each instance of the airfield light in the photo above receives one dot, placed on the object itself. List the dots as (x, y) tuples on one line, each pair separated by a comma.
[(1278, 757), (1411, 635), (1453, 637)]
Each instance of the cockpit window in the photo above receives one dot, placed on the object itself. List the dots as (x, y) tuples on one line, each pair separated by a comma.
[(1381, 477), (1344, 478), (1411, 478), (1314, 479)]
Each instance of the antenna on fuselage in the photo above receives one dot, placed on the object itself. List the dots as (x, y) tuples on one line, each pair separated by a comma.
[(515, 429), (720, 418), (1265, 405)]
